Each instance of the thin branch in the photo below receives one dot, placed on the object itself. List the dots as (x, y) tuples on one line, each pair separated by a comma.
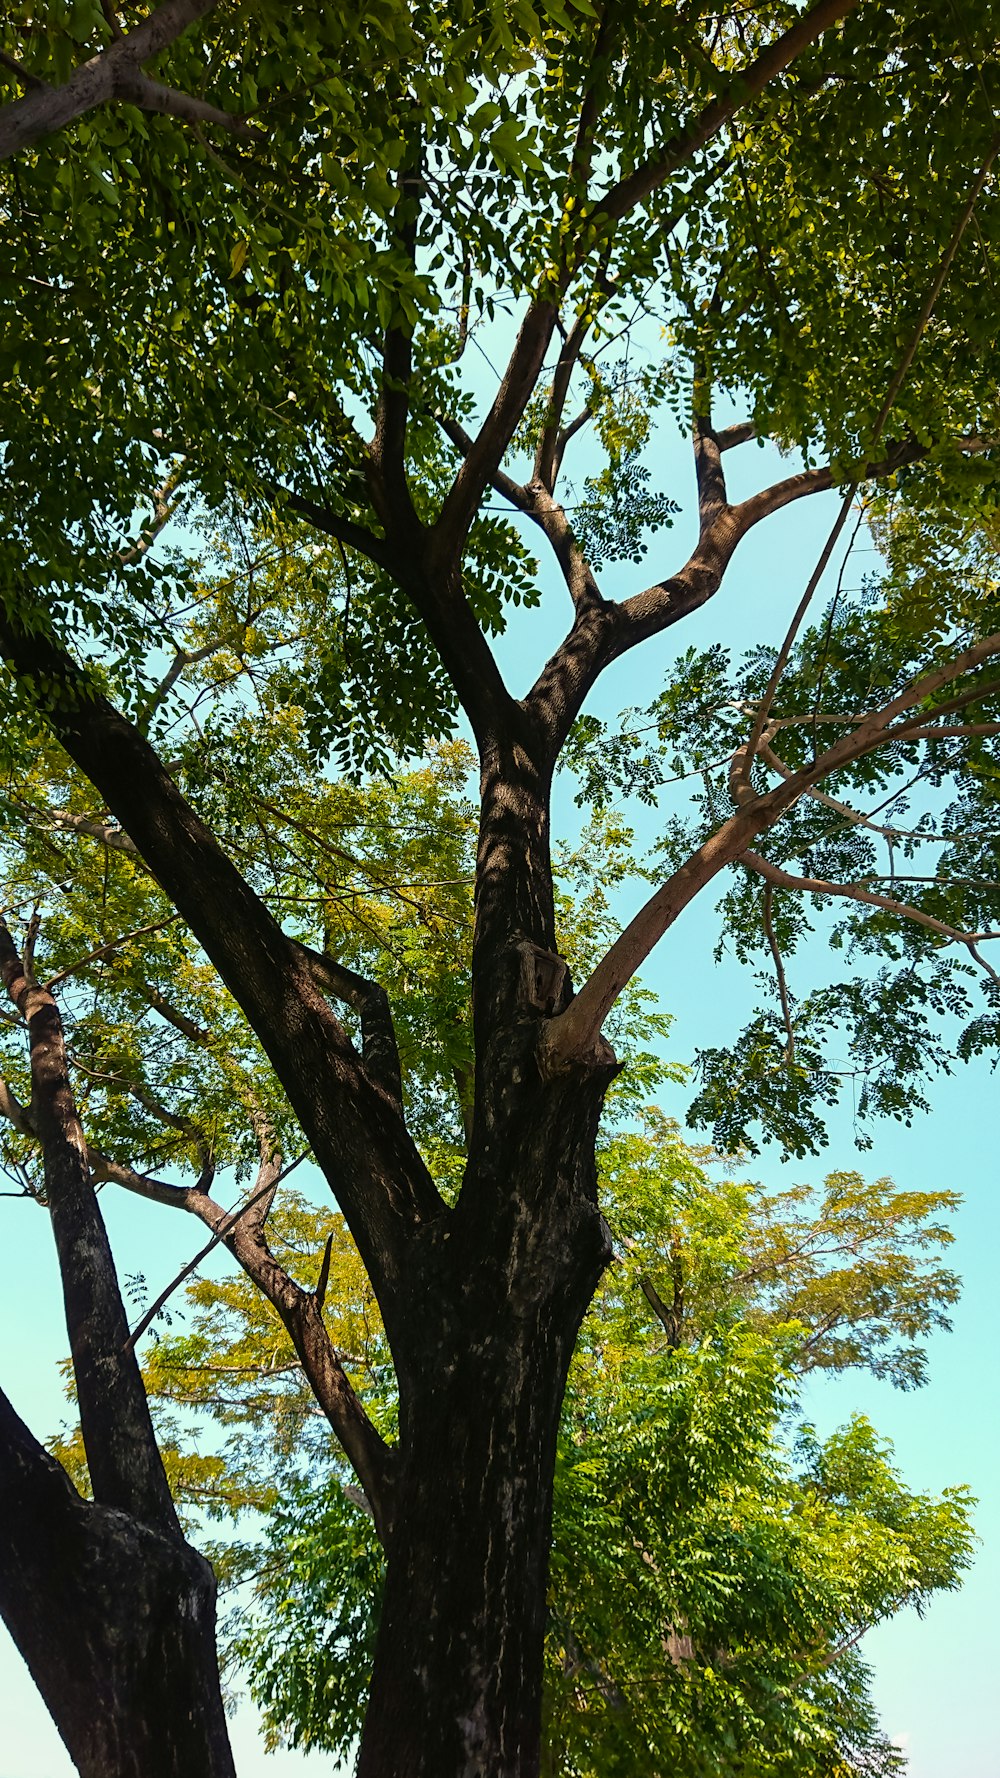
[(17, 1114), (113, 837), (938, 284), (744, 85), (105, 950), (783, 879), (536, 503), (552, 440), (576, 1032), (744, 756), (779, 970), (172, 1014), (164, 507), (136, 88), (173, 1120), (487, 449), (191, 657), (30, 82), (225, 1227)]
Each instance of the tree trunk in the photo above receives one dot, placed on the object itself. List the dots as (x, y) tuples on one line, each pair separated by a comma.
[(457, 1681), (115, 1620)]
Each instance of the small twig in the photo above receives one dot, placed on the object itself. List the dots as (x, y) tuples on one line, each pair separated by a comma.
[(107, 7), (24, 75), (779, 970), (324, 1272), (106, 949)]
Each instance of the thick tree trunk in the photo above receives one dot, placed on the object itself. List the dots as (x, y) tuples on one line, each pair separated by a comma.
[(115, 1620), (457, 1682)]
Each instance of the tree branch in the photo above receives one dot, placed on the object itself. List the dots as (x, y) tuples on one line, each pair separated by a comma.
[(552, 440), (526, 360), (379, 1049), (731, 436), (388, 451), (745, 85), (783, 879), (173, 1120), (301, 1313), (345, 531), (573, 1035), (105, 950), (535, 501), (122, 1455), (164, 506), (358, 1138), (486, 450), (116, 73), (711, 481), (779, 967), (241, 1231), (233, 1217), (748, 753)]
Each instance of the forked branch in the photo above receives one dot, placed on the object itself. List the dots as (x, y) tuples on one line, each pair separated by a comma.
[(859, 892), (116, 73), (572, 1037), (534, 337), (379, 1050)]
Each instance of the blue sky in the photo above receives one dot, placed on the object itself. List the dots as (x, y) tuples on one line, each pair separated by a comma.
[(934, 1678)]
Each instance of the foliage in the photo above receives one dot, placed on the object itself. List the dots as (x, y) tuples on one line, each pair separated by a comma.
[(256, 489), (713, 1564), (914, 825), (288, 252)]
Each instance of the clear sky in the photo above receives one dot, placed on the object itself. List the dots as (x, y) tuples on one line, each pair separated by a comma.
[(935, 1679)]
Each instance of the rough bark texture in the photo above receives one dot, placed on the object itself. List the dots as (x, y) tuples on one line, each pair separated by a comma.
[(457, 1679), (115, 1621)]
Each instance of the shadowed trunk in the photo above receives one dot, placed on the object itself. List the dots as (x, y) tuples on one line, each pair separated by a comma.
[(116, 1622), (457, 1679)]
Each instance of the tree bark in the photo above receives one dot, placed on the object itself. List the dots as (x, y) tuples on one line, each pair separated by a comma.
[(115, 1620), (457, 1680)]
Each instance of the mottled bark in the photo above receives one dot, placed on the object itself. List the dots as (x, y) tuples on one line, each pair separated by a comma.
[(115, 1620), (457, 1681)]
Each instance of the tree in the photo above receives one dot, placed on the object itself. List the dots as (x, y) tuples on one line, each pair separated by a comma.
[(318, 288)]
